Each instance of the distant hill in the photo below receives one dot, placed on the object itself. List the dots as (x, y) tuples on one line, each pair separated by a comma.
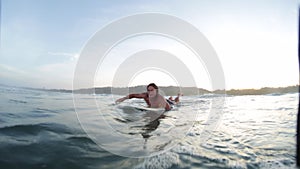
[(262, 91), (172, 90), (169, 91)]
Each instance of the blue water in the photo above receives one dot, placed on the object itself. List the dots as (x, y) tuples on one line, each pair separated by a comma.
[(40, 129)]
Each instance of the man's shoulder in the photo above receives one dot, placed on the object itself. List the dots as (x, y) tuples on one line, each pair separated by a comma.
[(145, 94)]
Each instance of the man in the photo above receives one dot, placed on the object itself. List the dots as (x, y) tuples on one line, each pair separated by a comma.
[(151, 97)]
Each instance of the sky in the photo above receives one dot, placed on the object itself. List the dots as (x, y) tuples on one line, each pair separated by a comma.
[(255, 41)]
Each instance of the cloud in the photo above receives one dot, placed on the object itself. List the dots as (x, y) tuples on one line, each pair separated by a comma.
[(57, 75), (57, 69), (55, 72), (54, 75), (13, 76), (71, 56)]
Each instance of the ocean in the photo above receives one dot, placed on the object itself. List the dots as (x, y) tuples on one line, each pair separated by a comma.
[(44, 129)]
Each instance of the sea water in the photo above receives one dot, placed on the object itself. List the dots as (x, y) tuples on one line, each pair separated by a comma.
[(41, 129)]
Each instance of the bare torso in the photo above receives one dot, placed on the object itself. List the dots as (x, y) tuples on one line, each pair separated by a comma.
[(157, 102)]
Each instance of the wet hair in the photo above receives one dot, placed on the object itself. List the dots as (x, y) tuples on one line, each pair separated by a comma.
[(153, 85)]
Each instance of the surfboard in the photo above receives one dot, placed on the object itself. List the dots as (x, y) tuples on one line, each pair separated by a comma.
[(142, 108)]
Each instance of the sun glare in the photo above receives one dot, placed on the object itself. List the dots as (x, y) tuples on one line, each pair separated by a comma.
[(153, 75)]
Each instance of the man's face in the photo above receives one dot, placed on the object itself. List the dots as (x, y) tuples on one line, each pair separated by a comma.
[(151, 91)]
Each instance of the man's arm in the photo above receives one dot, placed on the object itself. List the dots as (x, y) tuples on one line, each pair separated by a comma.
[(168, 107), (130, 96)]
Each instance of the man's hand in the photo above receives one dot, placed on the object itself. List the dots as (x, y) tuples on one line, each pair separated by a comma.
[(121, 99)]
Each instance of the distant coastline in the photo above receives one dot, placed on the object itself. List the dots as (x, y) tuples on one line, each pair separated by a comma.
[(262, 91), (173, 90)]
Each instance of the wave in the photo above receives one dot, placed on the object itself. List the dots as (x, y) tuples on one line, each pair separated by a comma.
[(81, 139), (34, 129), (46, 150), (17, 101), (42, 110)]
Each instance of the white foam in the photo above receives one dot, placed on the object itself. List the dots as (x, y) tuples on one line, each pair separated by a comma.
[(162, 161)]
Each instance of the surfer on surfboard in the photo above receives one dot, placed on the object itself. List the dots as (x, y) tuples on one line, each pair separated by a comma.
[(152, 98)]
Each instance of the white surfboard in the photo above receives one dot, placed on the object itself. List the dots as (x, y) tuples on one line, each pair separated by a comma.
[(142, 108)]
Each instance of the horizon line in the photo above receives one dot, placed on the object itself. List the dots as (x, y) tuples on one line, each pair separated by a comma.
[(44, 88)]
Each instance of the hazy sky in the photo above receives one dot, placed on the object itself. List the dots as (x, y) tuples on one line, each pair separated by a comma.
[(256, 41)]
